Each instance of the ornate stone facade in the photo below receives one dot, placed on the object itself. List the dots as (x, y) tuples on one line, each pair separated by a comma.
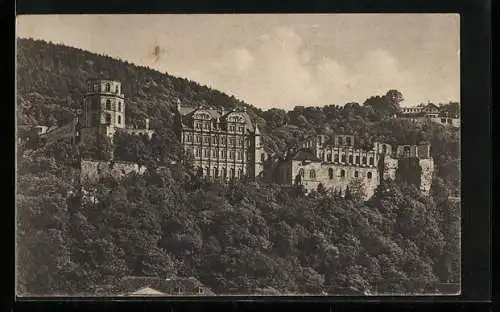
[(338, 165), (222, 144)]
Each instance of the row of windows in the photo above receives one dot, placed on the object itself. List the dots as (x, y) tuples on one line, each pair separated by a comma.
[(218, 153), (312, 174), (213, 125), (109, 121), (351, 159), (109, 105), (96, 87), (194, 138), (220, 172)]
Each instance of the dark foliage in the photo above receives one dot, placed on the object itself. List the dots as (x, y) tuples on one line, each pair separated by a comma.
[(245, 237)]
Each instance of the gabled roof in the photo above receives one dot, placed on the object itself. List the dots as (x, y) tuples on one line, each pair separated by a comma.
[(216, 114), (150, 285), (147, 291)]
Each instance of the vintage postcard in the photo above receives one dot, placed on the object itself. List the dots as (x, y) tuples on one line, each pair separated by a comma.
[(216, 155)]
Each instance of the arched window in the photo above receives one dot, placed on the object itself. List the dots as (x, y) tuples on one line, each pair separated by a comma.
[(330, 173), (207, 170), (312, 174), (336, 158), (232, 173), (384, 148), (117, 90), (240, 173), (329, 157), (108, 105), (108, 119), (343, 158), (216, 172), (262, 157), (364, 160), (351, 159), (356, 174), (371, 161), (357, 159), (224, 172), (119, 119), (342, 173), (369, 175), (108, 87), (301, 172)]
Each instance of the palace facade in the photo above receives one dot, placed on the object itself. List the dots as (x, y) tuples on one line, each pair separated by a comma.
[(336, 166), (222, 144)]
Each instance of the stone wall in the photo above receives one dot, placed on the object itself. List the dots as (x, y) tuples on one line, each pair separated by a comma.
[(330, 176), (427, 166), (93, 169), (390, 167)]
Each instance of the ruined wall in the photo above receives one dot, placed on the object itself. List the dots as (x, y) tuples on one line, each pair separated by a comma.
[(93, 169), (390, 167), (330, 175), (427, 166)]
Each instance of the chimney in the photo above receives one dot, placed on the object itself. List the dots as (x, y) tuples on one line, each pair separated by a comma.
[(147, 123)]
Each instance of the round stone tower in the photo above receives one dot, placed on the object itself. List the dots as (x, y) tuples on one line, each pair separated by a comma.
[(103, 108)]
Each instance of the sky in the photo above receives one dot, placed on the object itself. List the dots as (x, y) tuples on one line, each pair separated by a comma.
[(278, 60)]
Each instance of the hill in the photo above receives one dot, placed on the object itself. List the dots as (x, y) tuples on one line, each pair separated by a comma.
[(235, 238)]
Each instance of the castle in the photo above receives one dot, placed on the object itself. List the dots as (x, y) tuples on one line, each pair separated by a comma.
[(104, 111), (225, 145), (336, 166)]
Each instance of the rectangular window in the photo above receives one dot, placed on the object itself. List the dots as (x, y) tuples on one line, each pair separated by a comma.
[(336, 158), (239, 155), (232, 141), (214, 153), (197, 152), (197, 138), (371, 161), (231, 155), (206, 140), (206, 153), (357, 159)]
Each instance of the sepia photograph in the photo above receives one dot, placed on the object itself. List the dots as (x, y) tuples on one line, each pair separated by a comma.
[(195, 155)]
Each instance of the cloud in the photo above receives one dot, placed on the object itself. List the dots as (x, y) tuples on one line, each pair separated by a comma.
[(279, 70)]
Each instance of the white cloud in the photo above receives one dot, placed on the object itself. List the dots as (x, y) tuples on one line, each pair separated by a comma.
[(276, 71)]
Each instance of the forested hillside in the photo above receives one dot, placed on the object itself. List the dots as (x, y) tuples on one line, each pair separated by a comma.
[(237, 238)]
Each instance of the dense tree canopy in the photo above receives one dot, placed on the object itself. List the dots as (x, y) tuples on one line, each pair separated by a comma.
[(245, 237)]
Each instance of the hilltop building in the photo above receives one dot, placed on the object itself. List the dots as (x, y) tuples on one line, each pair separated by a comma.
[(223, 144), (425, 112), (104, 111), (226, 144), (337, 165)]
